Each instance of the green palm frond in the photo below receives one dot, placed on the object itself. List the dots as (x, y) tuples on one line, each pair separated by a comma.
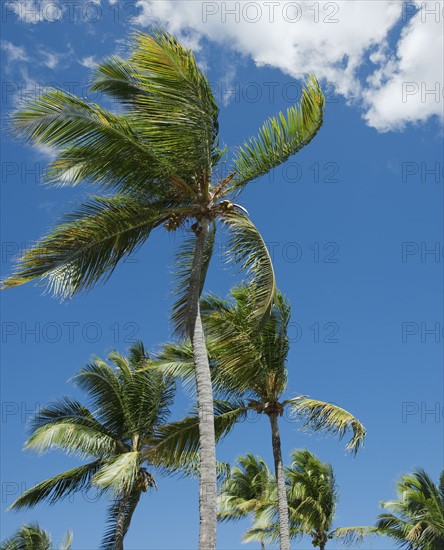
[(247, 248), (184, 275), (319, 416), (115, 77), (178, 111), (88, 245), (280, 137), (119, 473), (90, 142), (67, 425), (58, 487), (99, 381)]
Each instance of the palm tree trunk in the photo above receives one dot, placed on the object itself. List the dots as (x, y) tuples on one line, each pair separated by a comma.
[(262, 545), (207, 440), (120, 522), (284, 530)]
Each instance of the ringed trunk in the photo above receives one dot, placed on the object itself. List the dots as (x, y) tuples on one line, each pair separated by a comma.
[(204, 390), (284, 530)]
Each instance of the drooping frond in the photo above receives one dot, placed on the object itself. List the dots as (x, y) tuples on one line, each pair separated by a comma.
[(58, 487), (319, 416), (178, 112), (184, 276), (119, 473), (280, 137), (69, 426), (353, 536), (87, 247), (247, 248)]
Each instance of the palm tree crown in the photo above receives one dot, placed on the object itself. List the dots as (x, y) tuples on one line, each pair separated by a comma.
[(117, 436), (32, 537), (416, 520)]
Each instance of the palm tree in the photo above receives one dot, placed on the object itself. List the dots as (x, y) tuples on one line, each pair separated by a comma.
[(32, 537), (117, 434), (160, 156), (247, 491), (249, 374), (416, 520), (312, 499)]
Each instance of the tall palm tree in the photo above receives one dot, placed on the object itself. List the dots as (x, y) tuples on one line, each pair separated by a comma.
[(32, 537), (160, 156), (249, 374), (312, 499), (117, 434), (416, 520), (247, 491)]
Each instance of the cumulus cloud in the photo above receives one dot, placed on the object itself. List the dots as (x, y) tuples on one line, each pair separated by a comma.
[(338, 41)]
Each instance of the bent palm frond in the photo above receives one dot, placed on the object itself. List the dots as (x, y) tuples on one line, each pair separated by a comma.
[(280, 137), (319, 416)]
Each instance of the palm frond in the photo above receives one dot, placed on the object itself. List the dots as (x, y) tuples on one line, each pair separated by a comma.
[(178, 111), (58, 487), (67, 425), (353, 536), (87, 247), (248, 249), (280, 137), (119, 473), (91, 143), (185, 274), (66, 543), (319, 416), (115, 77)]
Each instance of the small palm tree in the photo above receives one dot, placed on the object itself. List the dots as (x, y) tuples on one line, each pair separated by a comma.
[(32, 537), (312, 499), (416, 520), (247, 491), (249, 373), (117, 436), (161, 157)]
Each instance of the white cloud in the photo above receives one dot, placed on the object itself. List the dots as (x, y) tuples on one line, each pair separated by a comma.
[(334, 40), (13, 53), (50, 59), (408, 88), (90, 62)]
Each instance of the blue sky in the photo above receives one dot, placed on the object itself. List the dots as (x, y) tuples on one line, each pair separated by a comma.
[(354, 223)]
